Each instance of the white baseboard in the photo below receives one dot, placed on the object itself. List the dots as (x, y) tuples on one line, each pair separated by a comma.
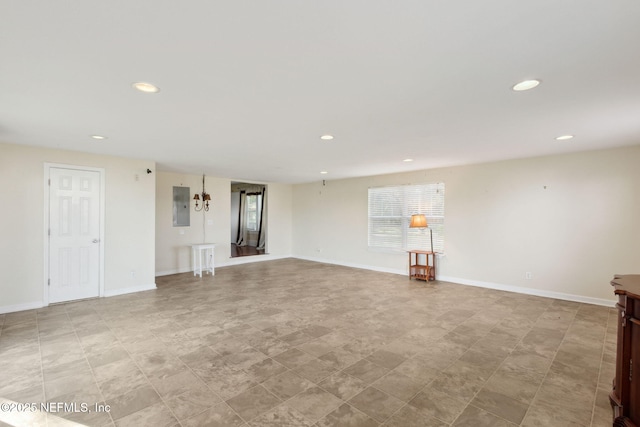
[(21, 307), (249, 259), (129, 290), (107, 293), (174, 271), (480, 284), (354, 265), (229, 261), (530, 291)]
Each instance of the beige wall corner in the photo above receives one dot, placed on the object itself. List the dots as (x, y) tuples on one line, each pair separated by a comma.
[(172, 243), (129, 238), (568, 219)]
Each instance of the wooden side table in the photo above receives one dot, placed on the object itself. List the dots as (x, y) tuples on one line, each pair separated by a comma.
[(199, 250), (420, 271)]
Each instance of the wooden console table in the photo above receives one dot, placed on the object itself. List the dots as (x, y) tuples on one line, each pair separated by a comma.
[(625, 396), (417, 270)]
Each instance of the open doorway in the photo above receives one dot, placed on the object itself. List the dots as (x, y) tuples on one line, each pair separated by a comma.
[(248, 219)]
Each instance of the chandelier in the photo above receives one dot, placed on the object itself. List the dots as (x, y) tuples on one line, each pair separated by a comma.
[(205, 199)]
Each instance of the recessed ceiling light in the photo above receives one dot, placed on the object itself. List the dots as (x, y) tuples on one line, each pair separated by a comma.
[(564, 137), (526, 85), (98, 137), (327, 137), (324, 172), (408, 160), (146, 87)]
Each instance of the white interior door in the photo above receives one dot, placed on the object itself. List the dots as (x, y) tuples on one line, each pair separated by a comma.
[(74, 234)]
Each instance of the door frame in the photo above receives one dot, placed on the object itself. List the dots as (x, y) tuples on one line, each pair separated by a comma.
[(47, 197)]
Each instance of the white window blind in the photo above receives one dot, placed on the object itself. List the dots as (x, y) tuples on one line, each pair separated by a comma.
[(390, 210)]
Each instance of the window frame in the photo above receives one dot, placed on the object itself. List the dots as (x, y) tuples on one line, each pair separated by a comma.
[(389, 213), (248, 211)]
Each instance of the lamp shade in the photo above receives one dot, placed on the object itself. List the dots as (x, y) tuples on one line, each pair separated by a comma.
[(196, 197), (418, 221)]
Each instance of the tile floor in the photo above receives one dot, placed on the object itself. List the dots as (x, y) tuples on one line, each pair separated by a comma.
[(297, 343)]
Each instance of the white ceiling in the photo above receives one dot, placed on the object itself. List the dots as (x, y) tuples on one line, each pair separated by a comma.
[(248, 87)]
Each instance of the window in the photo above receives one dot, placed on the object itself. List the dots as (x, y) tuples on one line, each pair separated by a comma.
[(390, 210), (253, 207)]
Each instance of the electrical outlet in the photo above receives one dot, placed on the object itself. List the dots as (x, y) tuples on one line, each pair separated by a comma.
[(318, 249), (133, 274), (528, 275)]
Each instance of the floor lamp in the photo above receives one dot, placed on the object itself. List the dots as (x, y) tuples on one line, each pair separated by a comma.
[(420, 221)]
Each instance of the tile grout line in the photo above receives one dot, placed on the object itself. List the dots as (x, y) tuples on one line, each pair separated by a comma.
[(427, 384), (367, 385), (204, 383), (84, 354), (291, 370), (225, 401), (141, 371), (169, 307), (44, 395), (297, 394), (499, 366), (306, 379), (257, 384), (602, 354), (551, 364)]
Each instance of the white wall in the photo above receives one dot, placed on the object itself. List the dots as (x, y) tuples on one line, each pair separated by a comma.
[(129, 238), (235, 223), (570, 220), (500, 222), (279, 207), (172, 248)]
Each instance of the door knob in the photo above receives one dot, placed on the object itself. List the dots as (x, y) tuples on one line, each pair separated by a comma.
[(96, 240)]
